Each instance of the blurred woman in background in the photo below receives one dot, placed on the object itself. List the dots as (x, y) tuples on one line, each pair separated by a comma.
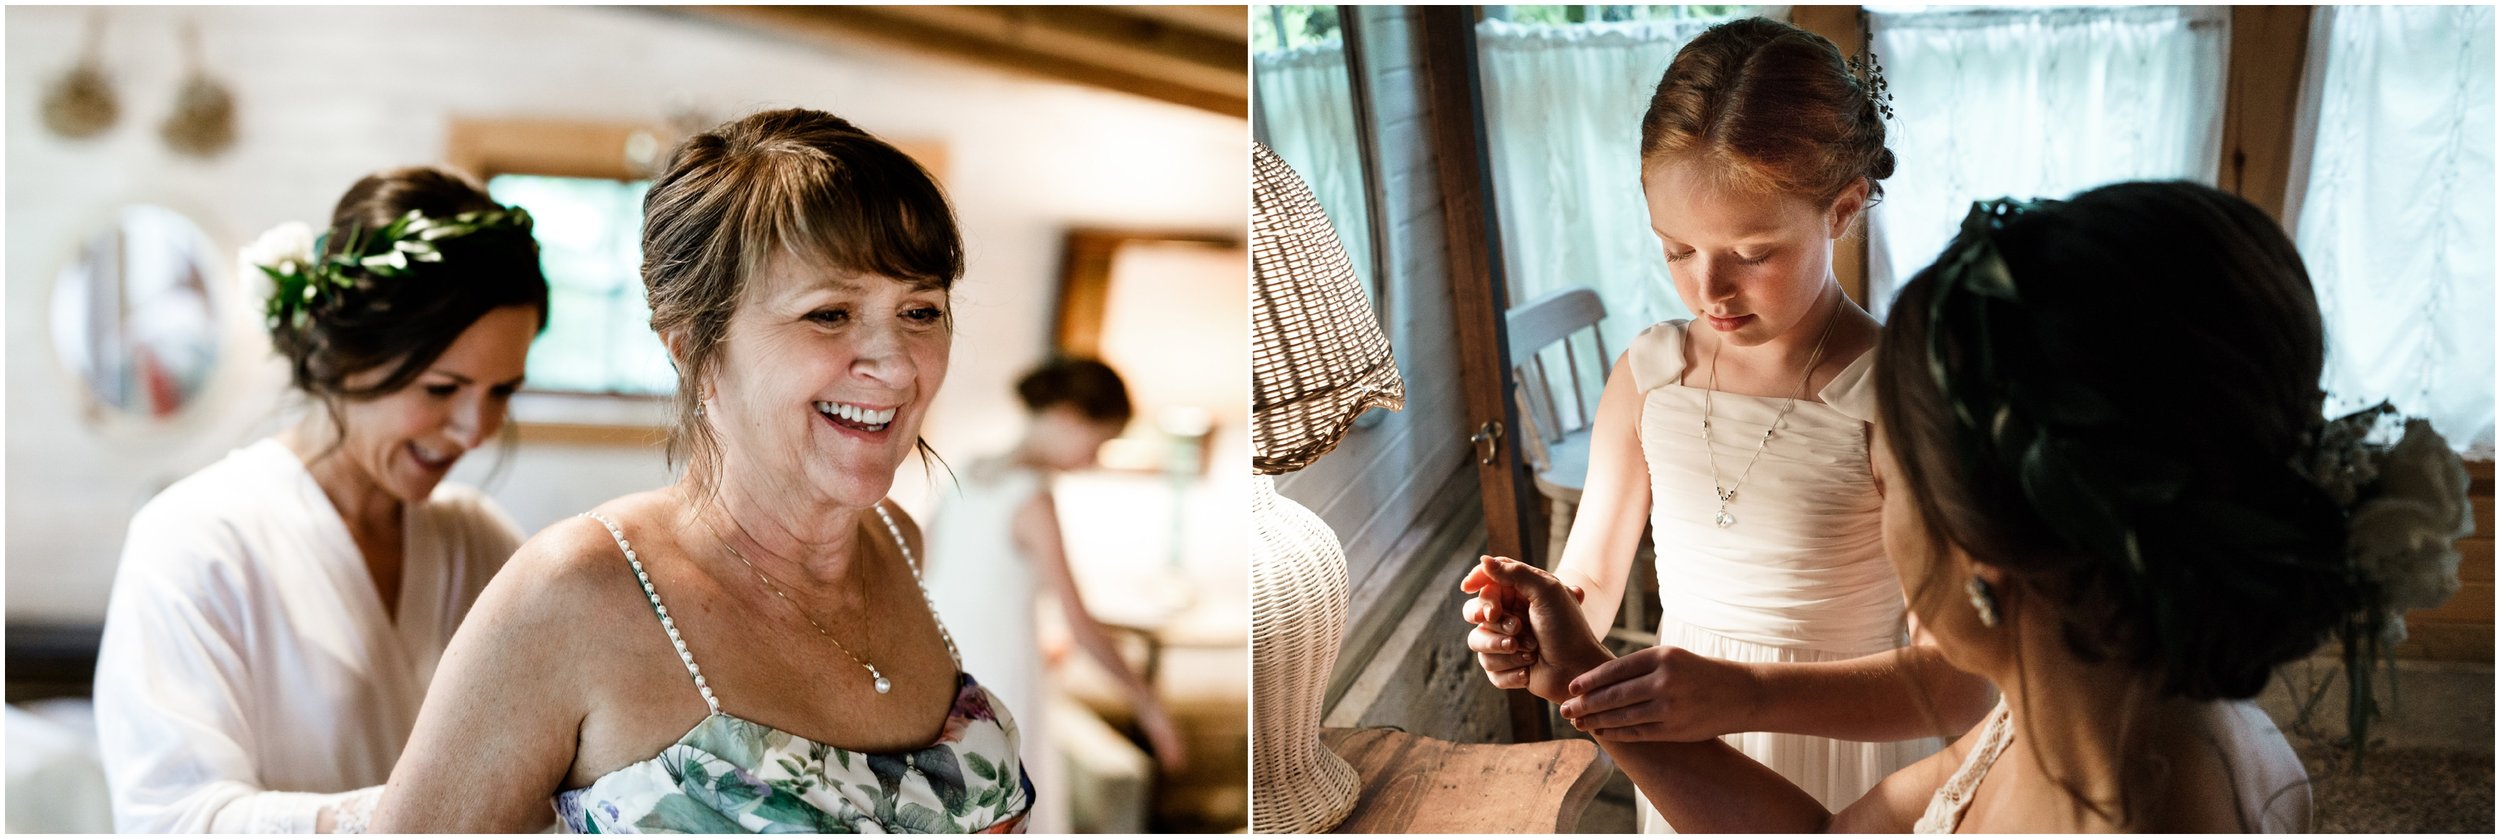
[(996, 546)]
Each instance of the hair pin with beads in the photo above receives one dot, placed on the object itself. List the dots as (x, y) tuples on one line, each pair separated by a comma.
[(1870, 74)]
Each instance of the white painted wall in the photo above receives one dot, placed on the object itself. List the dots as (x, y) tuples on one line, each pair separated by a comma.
[(328, 94)]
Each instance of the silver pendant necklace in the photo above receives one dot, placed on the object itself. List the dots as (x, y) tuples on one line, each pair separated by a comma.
[(1726, 492)]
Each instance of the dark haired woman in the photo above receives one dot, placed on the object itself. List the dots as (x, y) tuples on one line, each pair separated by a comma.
[(1740, 438), (748, 649), (995, 545), (277, 615), (2125, 537)]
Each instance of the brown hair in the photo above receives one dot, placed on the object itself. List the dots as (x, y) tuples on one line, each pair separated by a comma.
[(2237, 559), (2141, 489), (405, 323), (1768, 108), (797, 180), (1089, 386)]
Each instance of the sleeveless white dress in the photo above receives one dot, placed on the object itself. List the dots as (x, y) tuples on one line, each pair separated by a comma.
[(987, 590), (1800, 576)]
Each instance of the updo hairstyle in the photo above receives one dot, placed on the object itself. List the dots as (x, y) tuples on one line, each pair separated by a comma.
[(405, 323), (1768, 108), (1089, 387), (2124, 439)]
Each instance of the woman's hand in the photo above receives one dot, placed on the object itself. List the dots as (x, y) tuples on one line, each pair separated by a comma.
[(1548, 636), (1667, 694)]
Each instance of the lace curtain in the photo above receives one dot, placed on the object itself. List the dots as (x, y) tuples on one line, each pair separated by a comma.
[(2035, 103), (2393, 211), (1305, 100), (1562, 117)]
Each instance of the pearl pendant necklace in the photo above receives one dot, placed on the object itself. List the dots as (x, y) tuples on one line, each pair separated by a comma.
[(879, 681), (1726, 492)]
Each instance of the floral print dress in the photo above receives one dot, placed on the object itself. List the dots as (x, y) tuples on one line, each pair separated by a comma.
[(733, 775)]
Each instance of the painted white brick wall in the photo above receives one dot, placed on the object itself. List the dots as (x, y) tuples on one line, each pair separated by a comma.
[(327, 94)]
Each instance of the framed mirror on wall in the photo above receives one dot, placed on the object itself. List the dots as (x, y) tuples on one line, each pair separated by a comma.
[(136, 317)]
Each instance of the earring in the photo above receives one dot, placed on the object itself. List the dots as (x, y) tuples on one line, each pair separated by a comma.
[(698, 409), (1983, 599)]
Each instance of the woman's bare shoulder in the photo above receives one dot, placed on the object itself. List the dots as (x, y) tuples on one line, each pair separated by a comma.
[(1900, 799), (2234, 773), (572, 574)]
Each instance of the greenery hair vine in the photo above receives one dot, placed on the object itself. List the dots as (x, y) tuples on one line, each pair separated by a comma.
[(301, 281)]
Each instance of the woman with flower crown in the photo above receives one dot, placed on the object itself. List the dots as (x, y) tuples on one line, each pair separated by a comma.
[(277, 616), (1741, 438), (2125, 536)]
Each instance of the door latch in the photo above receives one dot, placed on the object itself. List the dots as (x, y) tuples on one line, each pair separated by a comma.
[(1488, 440)]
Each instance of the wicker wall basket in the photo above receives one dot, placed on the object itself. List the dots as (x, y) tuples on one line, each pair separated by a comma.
[(1298, 616)]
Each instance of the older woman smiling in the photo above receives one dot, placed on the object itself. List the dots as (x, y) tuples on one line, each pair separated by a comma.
[(798, 271)]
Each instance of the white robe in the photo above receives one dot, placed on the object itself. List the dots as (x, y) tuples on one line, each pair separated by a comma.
[(248, 674)]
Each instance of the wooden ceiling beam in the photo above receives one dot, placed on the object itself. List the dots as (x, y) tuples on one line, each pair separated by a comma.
[(1231, 22), (1184, 57)]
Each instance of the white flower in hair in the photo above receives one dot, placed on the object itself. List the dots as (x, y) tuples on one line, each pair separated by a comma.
[(287, 248), (2404, 537)]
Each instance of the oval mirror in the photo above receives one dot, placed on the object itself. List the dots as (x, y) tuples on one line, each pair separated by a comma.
[(134, 314)]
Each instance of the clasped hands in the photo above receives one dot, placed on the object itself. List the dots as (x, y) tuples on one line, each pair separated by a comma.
[(1530, 633)]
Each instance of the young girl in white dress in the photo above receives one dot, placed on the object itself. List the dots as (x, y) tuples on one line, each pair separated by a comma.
[(994, 547), (278, 615), (1741, 439), (2125, 534)]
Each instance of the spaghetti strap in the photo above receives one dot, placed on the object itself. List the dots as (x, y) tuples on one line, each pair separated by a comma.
[(670, 623), (914, 563), (1944, 811)]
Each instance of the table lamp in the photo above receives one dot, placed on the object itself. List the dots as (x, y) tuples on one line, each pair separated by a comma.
[(1317, 361)]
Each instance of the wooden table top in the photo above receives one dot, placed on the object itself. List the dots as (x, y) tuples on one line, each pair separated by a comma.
[(1417, 784)]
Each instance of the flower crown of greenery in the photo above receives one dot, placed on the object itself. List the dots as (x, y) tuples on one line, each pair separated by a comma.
[(301, 281), (2403, 503)]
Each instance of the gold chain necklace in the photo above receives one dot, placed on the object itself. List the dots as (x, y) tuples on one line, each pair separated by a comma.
[(883, 684), (1727, 492)]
